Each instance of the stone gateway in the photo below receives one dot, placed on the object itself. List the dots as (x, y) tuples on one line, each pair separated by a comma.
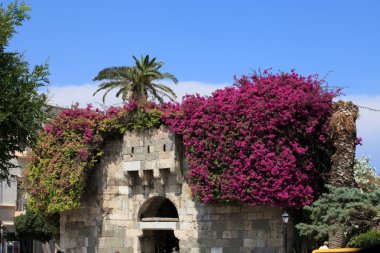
[(138, 201)]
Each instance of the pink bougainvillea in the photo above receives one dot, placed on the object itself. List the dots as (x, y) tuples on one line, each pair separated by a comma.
[(262, 141), (68, 148)]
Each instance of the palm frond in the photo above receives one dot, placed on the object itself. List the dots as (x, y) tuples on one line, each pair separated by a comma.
[(164, 88), (105, 94), (113, 73), (170, 76), (107, 85), (163, 95), (156, 96)]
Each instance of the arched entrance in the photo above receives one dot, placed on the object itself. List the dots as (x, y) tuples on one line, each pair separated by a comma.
[(158, 218)]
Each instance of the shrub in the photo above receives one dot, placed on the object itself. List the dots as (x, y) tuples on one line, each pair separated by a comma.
[(366, 240)]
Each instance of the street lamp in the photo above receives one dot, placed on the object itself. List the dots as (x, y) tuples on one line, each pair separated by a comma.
[(285, 219)]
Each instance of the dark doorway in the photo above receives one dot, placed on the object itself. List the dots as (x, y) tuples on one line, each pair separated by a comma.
[(159, 241)]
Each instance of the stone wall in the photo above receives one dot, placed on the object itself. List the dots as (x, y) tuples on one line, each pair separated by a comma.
[(147, 166)]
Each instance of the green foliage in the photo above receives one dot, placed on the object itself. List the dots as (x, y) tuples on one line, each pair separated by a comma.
[(34, 226), (10, 18), (137, 82), (365, 175), (366, 240), (68, 149), (22, 109), (349, 209)]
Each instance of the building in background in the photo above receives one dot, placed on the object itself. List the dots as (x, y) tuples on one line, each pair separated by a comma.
[(12, 198)]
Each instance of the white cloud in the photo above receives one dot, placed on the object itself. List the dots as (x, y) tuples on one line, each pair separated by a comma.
[(70, 94)]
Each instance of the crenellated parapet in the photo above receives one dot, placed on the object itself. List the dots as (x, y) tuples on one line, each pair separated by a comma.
[(152, 154)]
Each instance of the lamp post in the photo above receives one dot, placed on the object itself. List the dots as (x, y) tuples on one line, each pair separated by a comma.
[(285, 219)]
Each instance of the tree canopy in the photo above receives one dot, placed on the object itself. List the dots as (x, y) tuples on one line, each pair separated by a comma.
[(22, 108), (138, 82), (348, 209), (33, 226)]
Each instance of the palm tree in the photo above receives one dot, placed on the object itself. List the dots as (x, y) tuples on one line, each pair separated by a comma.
[(137, 82)]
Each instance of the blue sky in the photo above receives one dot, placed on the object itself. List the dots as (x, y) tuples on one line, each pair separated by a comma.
[(206, 43)]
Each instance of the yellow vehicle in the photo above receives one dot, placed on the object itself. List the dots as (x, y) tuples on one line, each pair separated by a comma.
[(338, 250)]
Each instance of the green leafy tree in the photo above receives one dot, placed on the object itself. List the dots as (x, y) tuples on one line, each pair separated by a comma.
[(347, 209), (31, 226), (365, 175), (22, 108), (139, 82)]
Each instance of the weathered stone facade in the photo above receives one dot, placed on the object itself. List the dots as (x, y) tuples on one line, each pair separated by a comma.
[(138, 201)]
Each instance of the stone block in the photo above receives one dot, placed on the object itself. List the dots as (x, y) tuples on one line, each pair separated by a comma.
[(261, 225), (222, 209), (125, 190), (102, 242), (107, 233), (204, 225), (151, 164), (239, 225), (162, 225), (270, 215), (132, 166), (91, 250), (249, 243), (262, 234), (245, 250), (237, 234), (149, 157), (166, 155), (189, 203), (217, 250), (247, 225), (260, 215), (139, 150), (231, 250), (222, 243), (218, 225), (187, 225), (260, 243), (227, 234), (118, 217), (165, 163), (265, 250), (216, 217)]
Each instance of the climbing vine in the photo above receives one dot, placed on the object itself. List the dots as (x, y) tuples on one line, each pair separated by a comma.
[(69, 147), (262, 141)]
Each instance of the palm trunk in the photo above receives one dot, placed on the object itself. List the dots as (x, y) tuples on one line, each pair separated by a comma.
[(343, 133)]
